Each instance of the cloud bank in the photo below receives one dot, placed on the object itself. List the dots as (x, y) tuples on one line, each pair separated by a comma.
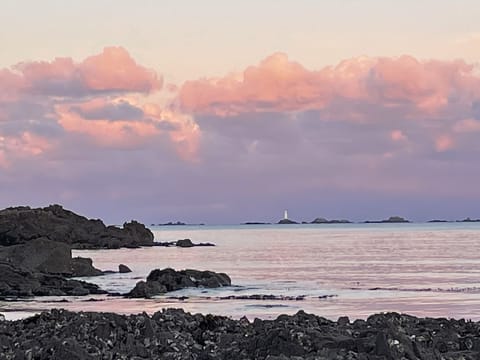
[(364, 138)]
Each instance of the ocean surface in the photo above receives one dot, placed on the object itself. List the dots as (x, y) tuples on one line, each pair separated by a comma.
[(342, 269)]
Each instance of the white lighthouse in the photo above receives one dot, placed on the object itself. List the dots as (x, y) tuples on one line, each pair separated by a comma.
[(285, 215)]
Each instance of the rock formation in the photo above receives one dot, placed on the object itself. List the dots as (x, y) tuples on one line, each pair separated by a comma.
[(16, 282), (123, 269), (19, 225), (162, 281)]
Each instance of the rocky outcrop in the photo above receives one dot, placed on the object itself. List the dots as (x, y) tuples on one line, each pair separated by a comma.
[(390, 220), (321, 220), (287, 221), (49, 257), (182, 243), (165, 280), (84, 267), (15, 282), (20, 225), (174, 334), (39, 255)]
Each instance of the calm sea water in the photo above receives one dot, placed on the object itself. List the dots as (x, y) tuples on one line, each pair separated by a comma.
[(421, 269)]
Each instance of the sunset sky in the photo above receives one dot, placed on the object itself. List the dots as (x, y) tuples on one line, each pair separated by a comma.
[(223, 112)]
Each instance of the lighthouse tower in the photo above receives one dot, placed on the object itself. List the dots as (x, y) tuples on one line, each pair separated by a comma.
[(285, 215)]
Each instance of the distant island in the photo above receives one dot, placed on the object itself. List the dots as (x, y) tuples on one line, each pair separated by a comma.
[(390, 220), (255, 223), (320, 220), (176, 223), (286, 221), (469, 220)]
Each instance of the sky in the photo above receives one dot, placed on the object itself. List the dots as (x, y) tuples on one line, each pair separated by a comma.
[(223, 112)]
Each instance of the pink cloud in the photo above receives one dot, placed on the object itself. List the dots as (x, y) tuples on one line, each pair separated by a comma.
[(118, 134), (467, 126), (444, 143), (278, 85), (127, 133), (397, 135), (113, 70), (26, 145)]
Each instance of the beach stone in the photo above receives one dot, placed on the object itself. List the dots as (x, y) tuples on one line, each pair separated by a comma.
[(123, 269), (162, 281)]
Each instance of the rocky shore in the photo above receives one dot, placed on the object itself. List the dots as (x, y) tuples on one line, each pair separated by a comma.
[(36, 255), (175, 334), (21, 224)]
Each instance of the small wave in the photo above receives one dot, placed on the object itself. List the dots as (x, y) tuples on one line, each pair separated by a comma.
[(472, 290), (267, 306)]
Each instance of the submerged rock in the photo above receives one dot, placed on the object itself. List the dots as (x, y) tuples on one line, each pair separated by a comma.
[(162, 281), (20, 225), (175, 334)]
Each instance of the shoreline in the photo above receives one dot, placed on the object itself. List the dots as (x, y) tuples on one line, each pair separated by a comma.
[(176, 334)]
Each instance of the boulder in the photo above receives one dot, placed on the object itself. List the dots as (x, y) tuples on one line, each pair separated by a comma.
[(19, 225), (122, 269), (165, 280)]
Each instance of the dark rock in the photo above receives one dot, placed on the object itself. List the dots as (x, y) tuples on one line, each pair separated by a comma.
[(184, 243), (287, 221), (321, 220), (22, 224), (122, 269), (40, 255), (391, 219), (174, 334), (162, 281), (84, 267), (256, 223), (15, 282)]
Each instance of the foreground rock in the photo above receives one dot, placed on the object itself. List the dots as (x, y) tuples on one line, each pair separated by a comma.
[(174, 334), (20, 225), (162, 281)]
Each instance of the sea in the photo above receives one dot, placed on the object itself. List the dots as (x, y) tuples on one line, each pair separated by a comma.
[(331, 270)]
